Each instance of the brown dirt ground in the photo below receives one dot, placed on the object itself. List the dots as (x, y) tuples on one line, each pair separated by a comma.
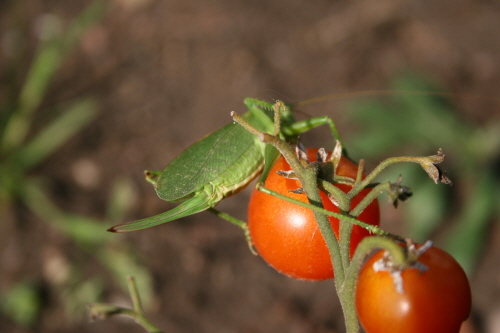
[(167, 72)]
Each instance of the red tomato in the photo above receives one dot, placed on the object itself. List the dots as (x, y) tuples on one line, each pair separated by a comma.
[(287, 235), (436, 300)]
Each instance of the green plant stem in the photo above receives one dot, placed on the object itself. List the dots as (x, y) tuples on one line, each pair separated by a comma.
[(425, 161), (365, 247), (347, 290), (310, 186), (341, 199), (282, 146), (102, 310), (345, 231), (370, 196), (373, 229), (345, 270), (361, 169), (308, 179), (345, 226), (134, 295), (140, 317)]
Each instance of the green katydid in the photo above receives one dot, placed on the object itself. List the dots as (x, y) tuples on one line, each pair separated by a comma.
[(222, 163)]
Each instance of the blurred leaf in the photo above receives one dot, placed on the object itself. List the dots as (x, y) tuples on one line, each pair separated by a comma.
[(22, 303), (483, 146), (426, 209), (419, 122), (467, 238), (432, 114), (90, 235), (53, 136), (85, 231), (418, 116), (372, 115), (82, 230), (48, 60), (80, 293), (123, 262), (122, 197)]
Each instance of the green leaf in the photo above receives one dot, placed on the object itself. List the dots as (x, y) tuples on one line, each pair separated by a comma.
[(121, 199), (467, 239), (123, 262), (426, 209), (49, 58), (22, 303), (52, 137)]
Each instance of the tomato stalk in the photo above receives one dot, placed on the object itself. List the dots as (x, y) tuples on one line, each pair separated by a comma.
[(307, 176), (350, 220), (365, 247), (372, 195), (428, 163), (345, 229), (347, 291), (345, 269)]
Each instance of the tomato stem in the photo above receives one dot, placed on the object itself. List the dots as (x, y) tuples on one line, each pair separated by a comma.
[(351, 220), (428, 163), (370, 196), (345, 231), (361, 168), (310, 186), (365, 247), (307, 176), (347, 290), (345, 271), (335, 193)]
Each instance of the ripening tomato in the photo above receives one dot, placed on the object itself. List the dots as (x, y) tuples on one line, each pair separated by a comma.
[(435, 300), (287, 235)]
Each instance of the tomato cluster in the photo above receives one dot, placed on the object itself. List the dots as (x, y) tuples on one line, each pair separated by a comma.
[(287, 235), (429, 294), (435, 296)]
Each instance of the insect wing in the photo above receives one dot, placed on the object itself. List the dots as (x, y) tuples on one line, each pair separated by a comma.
[(226, 157)]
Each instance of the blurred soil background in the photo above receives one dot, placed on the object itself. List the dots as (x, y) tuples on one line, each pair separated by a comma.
[(87, 106)]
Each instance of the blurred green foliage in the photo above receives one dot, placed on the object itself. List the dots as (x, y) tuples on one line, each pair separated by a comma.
[(22, 303), (22, 149), (420, 118)]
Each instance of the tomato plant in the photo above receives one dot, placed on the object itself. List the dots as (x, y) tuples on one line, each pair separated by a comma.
[(287, 236), (435, 297)]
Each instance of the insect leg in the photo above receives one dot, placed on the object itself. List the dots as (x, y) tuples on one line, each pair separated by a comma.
[(308, 124), (200, 202)]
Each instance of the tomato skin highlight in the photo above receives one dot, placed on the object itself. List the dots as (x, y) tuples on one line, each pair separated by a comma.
[(435, 301), (287, 235)]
